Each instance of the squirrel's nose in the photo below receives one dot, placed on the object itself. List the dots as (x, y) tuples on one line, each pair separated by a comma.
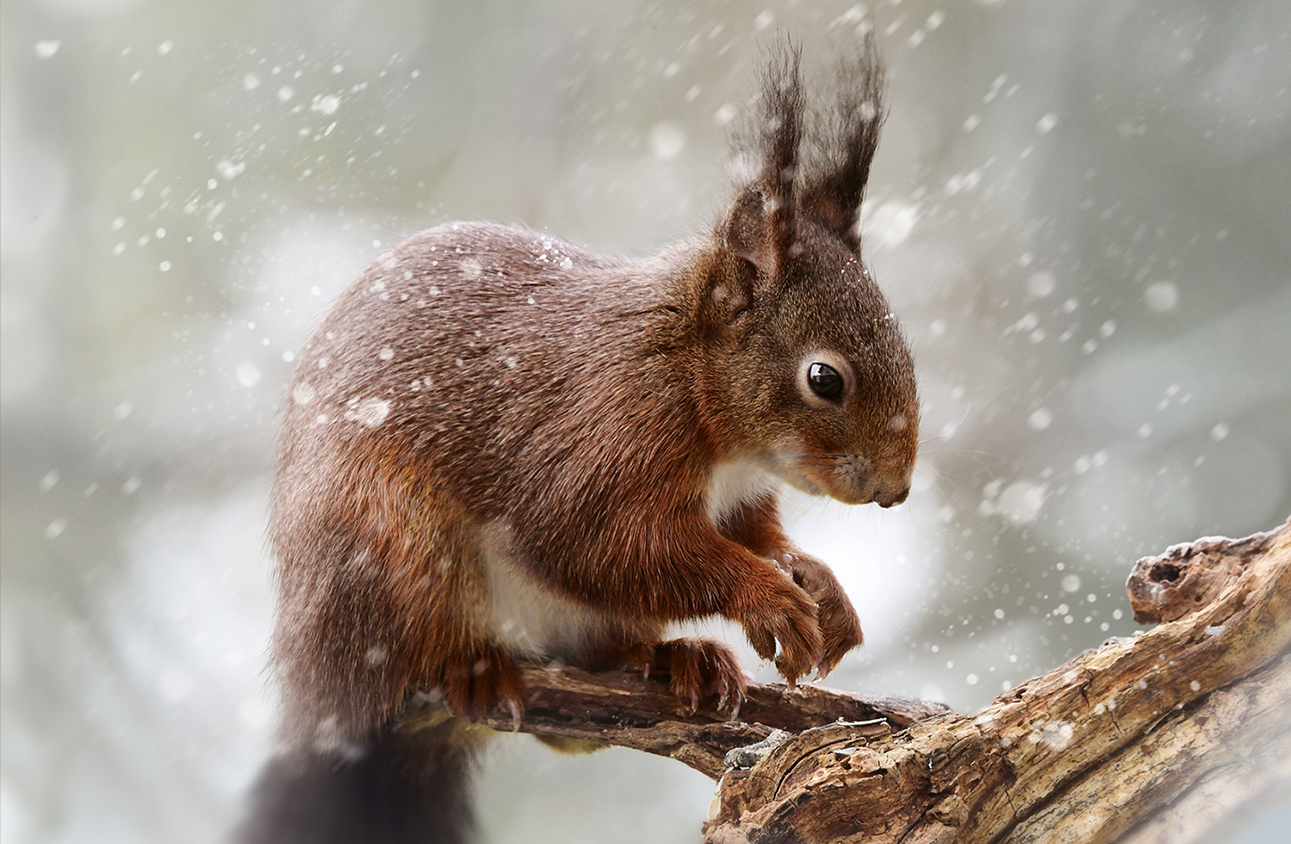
[(892, 495)]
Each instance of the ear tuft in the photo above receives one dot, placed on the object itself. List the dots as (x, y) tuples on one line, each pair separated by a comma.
[(846, 135), (760, 223), (775, 187)]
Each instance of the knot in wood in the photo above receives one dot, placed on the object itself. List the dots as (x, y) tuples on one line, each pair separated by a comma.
[(1185, 578)]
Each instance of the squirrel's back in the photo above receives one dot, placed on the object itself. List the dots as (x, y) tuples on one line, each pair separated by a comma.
[(468, 348)]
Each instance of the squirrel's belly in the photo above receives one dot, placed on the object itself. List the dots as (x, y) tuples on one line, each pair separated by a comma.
[(526, 616)]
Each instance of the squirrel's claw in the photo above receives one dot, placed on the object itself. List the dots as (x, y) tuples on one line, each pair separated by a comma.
[(513, 707)]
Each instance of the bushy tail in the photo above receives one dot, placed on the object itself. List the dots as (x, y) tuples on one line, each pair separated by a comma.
[(407, 786)]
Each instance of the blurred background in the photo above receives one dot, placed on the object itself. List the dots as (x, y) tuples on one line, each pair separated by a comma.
[(1079, 211)]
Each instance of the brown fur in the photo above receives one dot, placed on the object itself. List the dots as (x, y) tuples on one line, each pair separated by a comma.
[(490, 416)]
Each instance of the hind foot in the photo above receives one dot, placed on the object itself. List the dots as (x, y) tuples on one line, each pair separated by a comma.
[(696, 668), (476, 683)]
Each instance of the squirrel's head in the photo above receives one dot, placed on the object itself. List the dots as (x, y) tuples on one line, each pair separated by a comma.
[(805, 357)]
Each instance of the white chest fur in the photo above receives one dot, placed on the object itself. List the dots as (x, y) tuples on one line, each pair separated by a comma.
[(535, 622), (531, 620), (735, 483)]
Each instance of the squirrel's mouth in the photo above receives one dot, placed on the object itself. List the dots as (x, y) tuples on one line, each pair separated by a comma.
[(847, 477), (842, 477)]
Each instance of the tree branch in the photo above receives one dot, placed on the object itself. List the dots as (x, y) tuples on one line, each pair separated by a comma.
[(628, 710), (1148, 739)]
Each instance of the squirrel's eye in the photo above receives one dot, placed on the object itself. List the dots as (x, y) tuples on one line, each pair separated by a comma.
[(825, 381)]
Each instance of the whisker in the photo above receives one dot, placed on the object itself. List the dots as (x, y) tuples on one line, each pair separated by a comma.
[(969, 411)]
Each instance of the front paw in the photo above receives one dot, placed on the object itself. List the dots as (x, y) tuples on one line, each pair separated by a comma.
[(696, 668), (780, 611), (840, 627)]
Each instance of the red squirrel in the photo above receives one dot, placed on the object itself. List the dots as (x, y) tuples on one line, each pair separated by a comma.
[(501, 448)]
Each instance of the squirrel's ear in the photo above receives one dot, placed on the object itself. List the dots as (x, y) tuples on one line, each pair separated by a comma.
[(759, 226), (749, 231), (846, 136)]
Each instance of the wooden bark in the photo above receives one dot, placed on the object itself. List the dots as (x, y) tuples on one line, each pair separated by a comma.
[(1153, 738), (626, 710)]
